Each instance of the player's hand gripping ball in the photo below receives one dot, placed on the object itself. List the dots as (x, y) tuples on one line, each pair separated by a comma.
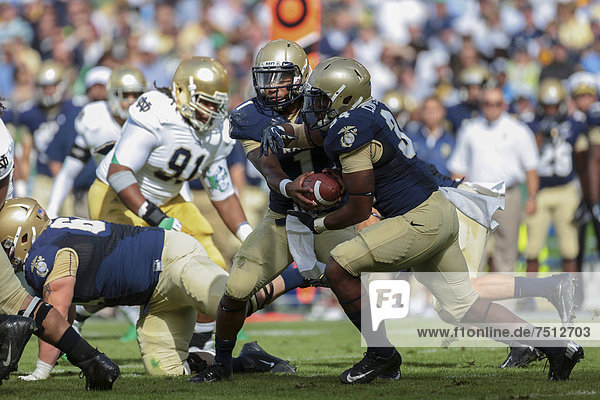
[(326, 189)]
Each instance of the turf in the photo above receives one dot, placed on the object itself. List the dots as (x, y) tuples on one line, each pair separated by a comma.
[(321, 350)]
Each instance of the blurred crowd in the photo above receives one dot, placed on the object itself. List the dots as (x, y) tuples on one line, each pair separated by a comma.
[(430, 62)]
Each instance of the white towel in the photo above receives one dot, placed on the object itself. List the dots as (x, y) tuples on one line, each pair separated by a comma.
[(479, 205), (301, 243)]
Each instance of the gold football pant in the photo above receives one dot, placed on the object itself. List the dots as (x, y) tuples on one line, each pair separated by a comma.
[(105, 205), (190, 283), (555, 205), (424, 239), (12, 293), (265, 254)]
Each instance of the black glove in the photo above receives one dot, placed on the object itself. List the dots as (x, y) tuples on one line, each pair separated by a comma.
[(306, 218), (272, 140), (582, 214)]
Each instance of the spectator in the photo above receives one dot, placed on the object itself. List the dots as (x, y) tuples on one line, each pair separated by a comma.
[(497, 147), (431, 139)]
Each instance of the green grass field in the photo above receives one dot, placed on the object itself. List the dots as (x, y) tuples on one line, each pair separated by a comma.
[(321, 350)]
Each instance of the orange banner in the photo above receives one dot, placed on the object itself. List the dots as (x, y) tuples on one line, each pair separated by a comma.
[(297, 20)]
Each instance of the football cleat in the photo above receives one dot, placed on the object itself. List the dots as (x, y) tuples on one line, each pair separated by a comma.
[(255, 359), (562, 297), (15, 332), (521, 356), (561, 366), (100, 372), (370, 367), (321, 282), (214, 373)]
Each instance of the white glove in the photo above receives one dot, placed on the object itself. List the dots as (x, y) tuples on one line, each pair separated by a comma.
[(42, 371)]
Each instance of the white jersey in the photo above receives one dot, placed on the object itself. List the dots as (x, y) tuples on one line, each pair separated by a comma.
[(163, 152), (97, 131), (7, 157)]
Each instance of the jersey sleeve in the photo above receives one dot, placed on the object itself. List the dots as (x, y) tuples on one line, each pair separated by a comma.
[(350, 132), (217, 181), (135, 137), (66, 263)]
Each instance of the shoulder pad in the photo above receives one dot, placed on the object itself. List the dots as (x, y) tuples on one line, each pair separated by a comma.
[(152, 109), (579, 116), (350, 131), (224, 143), (248, 120)]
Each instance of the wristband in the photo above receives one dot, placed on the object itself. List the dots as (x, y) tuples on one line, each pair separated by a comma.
[(150, 213), (319, 225), (244, 229), (282, 185)]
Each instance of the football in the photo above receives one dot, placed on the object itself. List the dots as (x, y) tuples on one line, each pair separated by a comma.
[(326, 189)]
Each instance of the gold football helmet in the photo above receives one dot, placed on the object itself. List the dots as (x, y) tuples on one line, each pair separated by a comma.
[(51, 74), (200, 89), (22, 220), (280, 64), (125, 80), (551, 92), (336, 85)]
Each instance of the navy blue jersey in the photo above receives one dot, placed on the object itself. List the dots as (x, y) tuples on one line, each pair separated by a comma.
[(44, 129), (117, 263), (402, 181), (60, 147), (556, 138), (247, 123)]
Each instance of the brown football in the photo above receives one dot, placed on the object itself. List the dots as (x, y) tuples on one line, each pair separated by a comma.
[(325, 188)]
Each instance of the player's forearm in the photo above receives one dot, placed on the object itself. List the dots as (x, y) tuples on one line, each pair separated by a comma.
[(533, 183), (355, 211), (63, 183), (231, 212), (270, 169), (126, 187)]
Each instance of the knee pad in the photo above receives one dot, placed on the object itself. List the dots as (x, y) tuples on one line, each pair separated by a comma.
[(41, 314)]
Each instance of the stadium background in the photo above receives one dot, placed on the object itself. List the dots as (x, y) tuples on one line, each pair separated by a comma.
[(418, 48)]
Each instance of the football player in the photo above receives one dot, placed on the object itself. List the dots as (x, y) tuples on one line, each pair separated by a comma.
[(280, 69), (420, 228), (559, 139), (71, 260), (42, 319), (98, 127), (472, 80), (7, 161), (50, 114)]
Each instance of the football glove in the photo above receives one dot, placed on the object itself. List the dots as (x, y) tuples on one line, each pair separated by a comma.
[(170, 224), (306, 218), (272, 139)]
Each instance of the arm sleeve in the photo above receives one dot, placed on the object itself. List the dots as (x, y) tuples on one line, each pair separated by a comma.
[(66, 263), (217, 181), (135, 137), (63, 183)]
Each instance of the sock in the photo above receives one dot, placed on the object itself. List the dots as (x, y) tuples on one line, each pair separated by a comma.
[(68, 340), (292, 278), (534, 287), (370, 337), (76, 349), (224, 350)]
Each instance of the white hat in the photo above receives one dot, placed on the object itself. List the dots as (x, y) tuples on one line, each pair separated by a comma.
[(97, 75), (582, 82)]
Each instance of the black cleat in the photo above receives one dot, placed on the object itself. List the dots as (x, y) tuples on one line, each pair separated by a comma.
[(521, 356), (15, 332), (370, 367), (561, 366), (321, 282), (255, 359), (563, 297), (214, 373), (100, 372)]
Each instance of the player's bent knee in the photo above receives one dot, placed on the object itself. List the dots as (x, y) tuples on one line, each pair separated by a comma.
[(335, 273), (38, 316), (478, 312), (243, 281)]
